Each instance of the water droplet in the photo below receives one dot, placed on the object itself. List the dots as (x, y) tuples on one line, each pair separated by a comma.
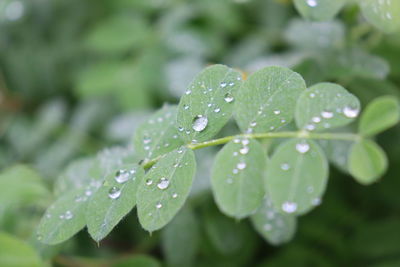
[(316, 201), (185, 107), (316, 119), (235, 171), (277, 112), (188, 92), (302, 147), (114, 192), (312, 95), (228, 98), (350, 112), (223, 84), (209, 105), (236, 140), (217, 110), (310, 189), (174, 195), (163, 184), (253, 124), (231, 84), (199, 123), (289, 207), (122, 176), (244, 150), (149, 182), (241, 165), (158, 205), (245, 142), (312, 3), (285, 166), (310, 127), (229, 181), (180, 129), (327, 114), (68, 215), (235, 153), (146, 140)]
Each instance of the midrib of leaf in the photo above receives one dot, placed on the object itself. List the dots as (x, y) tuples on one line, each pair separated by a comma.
[(296, 179)]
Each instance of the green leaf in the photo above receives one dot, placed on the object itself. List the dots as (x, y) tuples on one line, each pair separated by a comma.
[(113, 200), (237, 177), (65, 217), (297, 176), (337, 152), (180, 239), (277, 228), (267, 99), (383, 14), (379, 115), (207, 105), (158, 135), (319, 10), (20, 184), (325, 105), (138, 261), (367, 162), (165, 188), (17, 253)]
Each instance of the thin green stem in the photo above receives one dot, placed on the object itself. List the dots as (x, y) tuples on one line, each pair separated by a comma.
[(273, 135)]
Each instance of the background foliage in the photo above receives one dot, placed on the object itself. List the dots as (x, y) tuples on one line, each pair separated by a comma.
[(78, 77)]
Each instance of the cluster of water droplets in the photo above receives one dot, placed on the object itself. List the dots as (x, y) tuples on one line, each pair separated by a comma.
[(328, 114), (241, 165), (381, 7), (272, 217), (121, 177)]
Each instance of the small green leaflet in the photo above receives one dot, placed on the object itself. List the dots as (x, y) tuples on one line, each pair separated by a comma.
[(237, 177), (267, 99), (207, 105), (324, 106), (277, 228), (384, 14), (113, 200), (64, 218), (337, 152), (180, 239), (158, 135), (381, 114), (17, 253), (297, 176), (164, 189), (319, 10), (367, 162)]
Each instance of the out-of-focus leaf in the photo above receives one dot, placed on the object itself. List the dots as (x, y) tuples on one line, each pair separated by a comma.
[(379, 115), (17, 253), (367, 162), (164, 189), (180, 239), (138, 261)]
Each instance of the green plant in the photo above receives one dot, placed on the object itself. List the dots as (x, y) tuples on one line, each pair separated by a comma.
[(255, 175)]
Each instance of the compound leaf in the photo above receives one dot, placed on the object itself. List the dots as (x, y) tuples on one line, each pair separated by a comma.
[(113, 200), (267, 99), (165, 187), (381, 114), (297, 176), (237, 177), (367, 162), (276, 227), (319, 10), (208, 103), (326, 105), (158, 135), (383, 14)]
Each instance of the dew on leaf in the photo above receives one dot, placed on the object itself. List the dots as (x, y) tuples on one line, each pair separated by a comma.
[(327, 114), (228, 98), (114, 192), (122, 176), (244, 150), (312, 3), (350, 112), (289, 207), (302, 147), (285, 166), (158, 205), (163, 184), (199, 123), (241, 165)]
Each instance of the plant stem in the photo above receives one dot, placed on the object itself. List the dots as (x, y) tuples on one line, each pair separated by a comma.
[(270, 135)]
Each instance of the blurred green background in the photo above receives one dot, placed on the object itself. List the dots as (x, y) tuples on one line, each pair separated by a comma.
[(77, 76)]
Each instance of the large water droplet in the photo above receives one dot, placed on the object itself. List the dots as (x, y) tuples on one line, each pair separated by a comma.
[(312, 3), (350, 112), (228, 98), (241, 165), (327, 114), (163, 184), (302, 147), (244, 150), (122, 176), (289, 207), (199, 123), (149, 182), (114, 192), (223, 84)]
